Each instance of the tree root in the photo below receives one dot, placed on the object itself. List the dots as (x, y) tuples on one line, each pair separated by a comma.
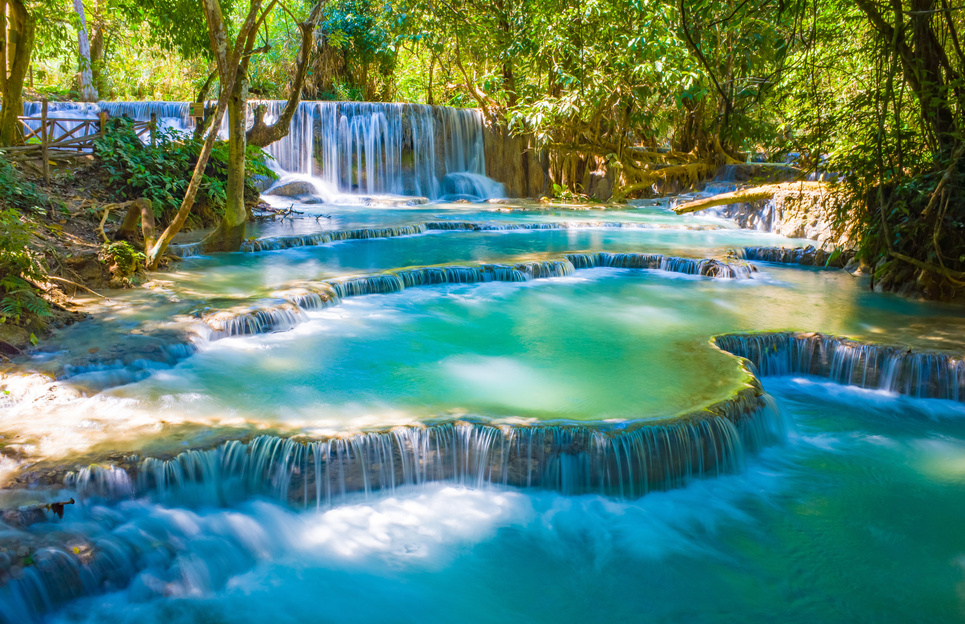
[(81, 286), (689, 174)]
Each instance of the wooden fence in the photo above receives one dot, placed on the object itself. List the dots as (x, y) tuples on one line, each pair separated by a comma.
[(55, 141)]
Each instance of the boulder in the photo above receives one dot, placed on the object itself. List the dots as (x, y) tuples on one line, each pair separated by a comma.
[(262, 183), (291, 189), (311, 200)]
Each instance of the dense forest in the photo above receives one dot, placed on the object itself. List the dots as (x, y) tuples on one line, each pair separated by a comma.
[(866, 95)]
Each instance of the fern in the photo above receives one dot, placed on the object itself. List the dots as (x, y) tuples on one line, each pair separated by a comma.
[(19, 266)]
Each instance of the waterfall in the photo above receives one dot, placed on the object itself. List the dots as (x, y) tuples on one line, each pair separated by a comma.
[(352, 147), (282, 316), (260, 320), (895, 369)]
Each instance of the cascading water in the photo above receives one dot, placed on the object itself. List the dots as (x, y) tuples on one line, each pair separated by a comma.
[(314, 296), (895, 369), (625, 463)]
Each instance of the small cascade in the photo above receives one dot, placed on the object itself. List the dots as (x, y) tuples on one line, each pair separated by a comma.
[(545, 268), (895, 369), (368, 285), (623, 462), (107, 482), (453, 226), (276, 243), (313, 297), (312, 474), (688, 266), (471, 187), (260, 320), (318, 295), (185, 250), (428, 276), (321, 238), (805, 256), (724, 182)]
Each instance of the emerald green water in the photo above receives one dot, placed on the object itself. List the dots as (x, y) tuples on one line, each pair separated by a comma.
[(855, 519)]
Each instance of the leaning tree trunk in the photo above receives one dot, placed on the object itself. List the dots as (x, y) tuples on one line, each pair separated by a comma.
[(231, 231), (18, 43)]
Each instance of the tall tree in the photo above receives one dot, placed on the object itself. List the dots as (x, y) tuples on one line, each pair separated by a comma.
[(18, 25), (232, 63), (231, 231)]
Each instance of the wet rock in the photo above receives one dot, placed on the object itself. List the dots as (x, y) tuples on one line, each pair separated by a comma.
[(261, 182), (291, 189), (13, 339), (311, 200)]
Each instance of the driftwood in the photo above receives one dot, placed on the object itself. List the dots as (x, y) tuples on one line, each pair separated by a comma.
[(757, 193), (76, 285), (32, 514)]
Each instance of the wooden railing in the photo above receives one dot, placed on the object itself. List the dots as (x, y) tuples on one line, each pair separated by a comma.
[(58, 140)]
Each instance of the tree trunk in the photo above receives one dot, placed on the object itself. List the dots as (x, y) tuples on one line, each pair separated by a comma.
[(15, 58), (97, 68), (86, 91), (231, 231), (229, 62), (263, 135)]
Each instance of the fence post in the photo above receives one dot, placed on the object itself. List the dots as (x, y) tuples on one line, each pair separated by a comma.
[(153, 129), (103, 127), (44, 151)]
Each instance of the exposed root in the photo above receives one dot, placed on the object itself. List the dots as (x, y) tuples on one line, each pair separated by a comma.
[(688, 175)]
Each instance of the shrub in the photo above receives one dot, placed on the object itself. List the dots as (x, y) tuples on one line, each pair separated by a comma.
[(123, 259), (161, 173)]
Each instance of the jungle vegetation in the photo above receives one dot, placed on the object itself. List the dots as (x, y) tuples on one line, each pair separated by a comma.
[(869, 93)]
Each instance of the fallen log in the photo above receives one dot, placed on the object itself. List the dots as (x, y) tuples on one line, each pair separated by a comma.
[(757, 193)]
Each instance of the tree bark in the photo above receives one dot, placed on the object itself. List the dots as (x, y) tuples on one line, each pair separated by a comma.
[(920, 63), (97, 68), (19, 40), (757, 193), (231, 231)]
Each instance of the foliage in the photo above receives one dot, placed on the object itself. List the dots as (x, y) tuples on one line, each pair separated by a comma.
[(161, 173), (879, 98), (871, 96), (17, 192), (19, 266)]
